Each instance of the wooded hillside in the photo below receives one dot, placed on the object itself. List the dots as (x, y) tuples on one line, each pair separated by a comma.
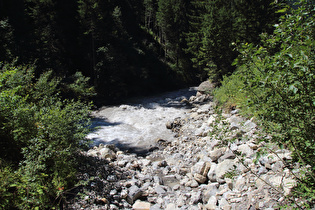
[(133, 46)]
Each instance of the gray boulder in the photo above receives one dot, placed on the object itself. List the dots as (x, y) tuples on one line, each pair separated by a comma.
[(205, 87)]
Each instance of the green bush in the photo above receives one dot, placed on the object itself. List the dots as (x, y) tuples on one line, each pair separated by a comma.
[(278, 79), (40, 134), (231, 93)]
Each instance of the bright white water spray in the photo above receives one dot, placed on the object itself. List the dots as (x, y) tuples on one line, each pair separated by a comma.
[(140, 122)]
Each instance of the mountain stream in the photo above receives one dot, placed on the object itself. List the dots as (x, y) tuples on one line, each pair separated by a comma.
[(137, 124)]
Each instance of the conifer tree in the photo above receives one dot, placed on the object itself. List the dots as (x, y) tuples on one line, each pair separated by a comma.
[(216, 25)]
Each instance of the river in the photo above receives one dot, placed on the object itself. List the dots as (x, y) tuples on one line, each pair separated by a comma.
[(138, 123)]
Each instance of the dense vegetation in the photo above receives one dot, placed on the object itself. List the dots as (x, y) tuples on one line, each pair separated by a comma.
[(40, 134), (53, 52), (133, 46), (275, 82)]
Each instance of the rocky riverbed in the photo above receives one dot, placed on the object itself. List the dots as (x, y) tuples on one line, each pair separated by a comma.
[(210, 163)]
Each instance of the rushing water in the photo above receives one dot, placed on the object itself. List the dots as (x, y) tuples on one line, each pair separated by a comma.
[(140, 122)]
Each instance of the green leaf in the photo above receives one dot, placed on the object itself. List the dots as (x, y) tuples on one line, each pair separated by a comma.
[(282, 10), (293, 88)]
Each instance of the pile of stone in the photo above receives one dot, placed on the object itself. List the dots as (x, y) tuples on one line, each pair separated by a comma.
[(211, 165)]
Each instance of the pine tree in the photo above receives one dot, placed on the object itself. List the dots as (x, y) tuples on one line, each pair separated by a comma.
[(216, 25), (173, 24)]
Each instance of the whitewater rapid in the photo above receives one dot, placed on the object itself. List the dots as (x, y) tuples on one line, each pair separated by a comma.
[(140, 122)]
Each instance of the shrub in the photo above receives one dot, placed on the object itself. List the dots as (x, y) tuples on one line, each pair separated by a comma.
[(279, 81), (231, 92), (40, 134)]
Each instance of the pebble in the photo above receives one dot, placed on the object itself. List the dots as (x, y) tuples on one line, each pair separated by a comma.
[(196, 171)]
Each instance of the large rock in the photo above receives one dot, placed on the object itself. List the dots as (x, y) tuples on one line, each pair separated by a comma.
[(141, 205), (248, 126), (235, 122), (211, 119), (200, 178), (212, 173), (212, 203), (217, 153), (240, 184), (160, 190), (134, 193), (288, 184), (224, 167), (195, 197), (171, 206), (205, 87), (107, 153), (204, 108), (223, 204), (201, 168), (211, 191), (245, 150)]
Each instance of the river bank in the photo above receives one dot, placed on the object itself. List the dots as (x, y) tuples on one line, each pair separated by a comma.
[(206, 163)]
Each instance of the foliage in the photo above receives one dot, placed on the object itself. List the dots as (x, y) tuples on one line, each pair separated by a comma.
[(40, 133), (216, 25), (277, 79), (134, 47), (231, 92)]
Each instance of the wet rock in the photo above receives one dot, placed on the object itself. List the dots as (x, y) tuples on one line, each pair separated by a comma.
[(162, 163), (169, 125), (190, 172)]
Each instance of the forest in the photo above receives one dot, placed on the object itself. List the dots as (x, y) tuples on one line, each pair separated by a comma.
[(131, 47), (57, 56)]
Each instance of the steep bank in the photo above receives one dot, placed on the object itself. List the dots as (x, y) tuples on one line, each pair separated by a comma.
[(208, 165)]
